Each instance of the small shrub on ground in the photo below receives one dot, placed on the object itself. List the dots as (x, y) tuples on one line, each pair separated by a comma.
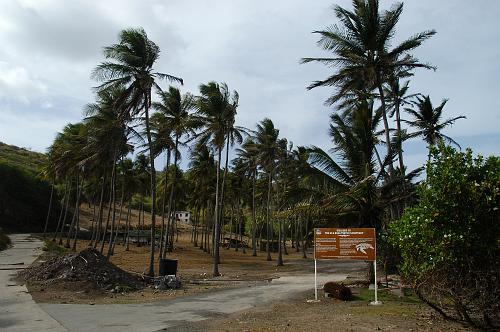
[(449, 241), (4, 240), (53, 247)]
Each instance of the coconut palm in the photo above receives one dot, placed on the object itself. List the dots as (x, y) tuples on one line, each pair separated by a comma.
[(216, 107), (248, 155), (427, 121), (203, 173), (108, 137), (175, 111), (397, 97), (266, 141), (131, 66), (363, 56)]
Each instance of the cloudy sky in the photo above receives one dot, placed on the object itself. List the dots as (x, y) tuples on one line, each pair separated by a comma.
[(49, 48)]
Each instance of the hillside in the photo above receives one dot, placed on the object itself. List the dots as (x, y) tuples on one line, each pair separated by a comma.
[(29, 161), (24, 195)]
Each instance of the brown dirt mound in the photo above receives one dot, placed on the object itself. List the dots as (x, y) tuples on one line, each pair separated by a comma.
[(88, 266)]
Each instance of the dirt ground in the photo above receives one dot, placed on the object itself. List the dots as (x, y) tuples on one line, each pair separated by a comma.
[(194, 269), (331, 315)]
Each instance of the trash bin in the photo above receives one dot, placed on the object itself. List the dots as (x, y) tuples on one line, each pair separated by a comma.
[(167, 267)]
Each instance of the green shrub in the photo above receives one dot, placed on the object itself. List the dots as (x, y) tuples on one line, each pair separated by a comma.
[(53, 247), (449, 240), (4, 240)]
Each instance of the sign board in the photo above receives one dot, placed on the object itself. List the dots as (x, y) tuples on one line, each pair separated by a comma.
[(345, 243)]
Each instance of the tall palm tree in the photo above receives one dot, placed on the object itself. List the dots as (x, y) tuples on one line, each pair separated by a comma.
[(132, 66), (397, 96), (363, 56), (108, 139), (427, 121), (215, 109), (203, 172), (248, 154), (175, 109), (266, 140)]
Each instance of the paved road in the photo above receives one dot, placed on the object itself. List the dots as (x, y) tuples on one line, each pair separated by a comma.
[(158, 315), (172, 313), (18, 311)]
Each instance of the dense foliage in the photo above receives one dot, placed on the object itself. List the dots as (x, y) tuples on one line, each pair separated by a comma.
[(23, 200), (450, 241)]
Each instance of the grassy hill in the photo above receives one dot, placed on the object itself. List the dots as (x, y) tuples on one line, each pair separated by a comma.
[(24, 195), (21, 158)]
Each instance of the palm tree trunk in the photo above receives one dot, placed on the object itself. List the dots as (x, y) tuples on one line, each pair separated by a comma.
[(221, 215), (65, 213), (216, 220), (280, 237), (73, 219), (60, 214), (163, 231), (254, 217), (400, 142), (113, 199), (386, 123), (105, 230), (171, 198), (268, 248), (101, 211), (77, 225), (119, 220), (49, 209), (151, 271), (127, 239)]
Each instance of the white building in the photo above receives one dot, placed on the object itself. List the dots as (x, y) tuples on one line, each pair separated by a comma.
[(183, 216)]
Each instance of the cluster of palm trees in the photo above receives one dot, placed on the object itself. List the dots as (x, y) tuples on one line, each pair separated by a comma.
[(281, 190)]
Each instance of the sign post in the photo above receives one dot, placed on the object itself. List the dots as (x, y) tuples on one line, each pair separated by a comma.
[(345, 243)]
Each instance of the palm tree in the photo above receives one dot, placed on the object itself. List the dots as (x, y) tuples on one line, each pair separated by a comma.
[(108, 139), (361, 47), (203, 172), (248, 154), (427, 121), (215, 108), (266, 141), (174, 109), (134, 58), (397, 96)]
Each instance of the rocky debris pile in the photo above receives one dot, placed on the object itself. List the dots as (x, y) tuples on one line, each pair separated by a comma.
[(88, 265), (167, 282)]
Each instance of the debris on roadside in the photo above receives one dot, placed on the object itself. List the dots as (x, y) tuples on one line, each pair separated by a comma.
[(88, 265)]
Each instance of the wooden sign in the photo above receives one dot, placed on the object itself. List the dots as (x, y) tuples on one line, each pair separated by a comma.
[(345, 243)]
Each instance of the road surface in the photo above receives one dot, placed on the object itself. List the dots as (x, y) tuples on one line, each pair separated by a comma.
[(18, 311), (167, 315)]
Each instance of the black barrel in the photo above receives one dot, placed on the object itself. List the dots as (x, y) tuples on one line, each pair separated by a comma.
[(167, 267)]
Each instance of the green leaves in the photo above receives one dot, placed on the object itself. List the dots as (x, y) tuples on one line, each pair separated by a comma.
[(455, 222)]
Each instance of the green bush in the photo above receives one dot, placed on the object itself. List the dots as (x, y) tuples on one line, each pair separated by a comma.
[(450, 239), (4, 240)]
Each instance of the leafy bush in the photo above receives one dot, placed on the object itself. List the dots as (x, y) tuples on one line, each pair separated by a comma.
[(4, 240), (450, 240)]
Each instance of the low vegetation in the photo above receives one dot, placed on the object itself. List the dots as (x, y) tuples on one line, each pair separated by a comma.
[(4, 240)]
